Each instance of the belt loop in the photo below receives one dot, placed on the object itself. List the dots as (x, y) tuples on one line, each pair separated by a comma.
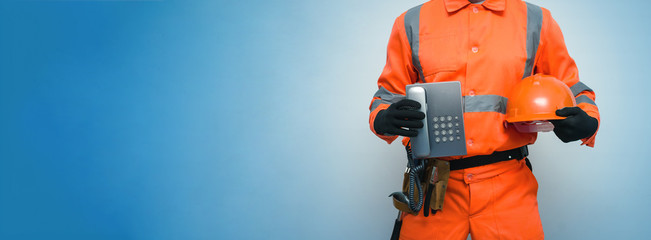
[(525, 151)]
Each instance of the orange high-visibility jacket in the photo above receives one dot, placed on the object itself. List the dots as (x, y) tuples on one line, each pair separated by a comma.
[(487, 47)]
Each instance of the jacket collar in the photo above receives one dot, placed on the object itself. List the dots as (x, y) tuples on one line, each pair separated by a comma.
[(494, 5)]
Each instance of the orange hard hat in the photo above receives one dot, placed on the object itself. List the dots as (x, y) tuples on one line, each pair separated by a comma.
[(537, 98)]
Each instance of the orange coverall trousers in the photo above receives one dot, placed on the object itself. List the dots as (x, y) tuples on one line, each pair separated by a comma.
[(496, 201)]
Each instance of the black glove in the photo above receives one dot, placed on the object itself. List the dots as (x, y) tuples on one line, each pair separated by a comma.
[(400, 115), (577, 125)]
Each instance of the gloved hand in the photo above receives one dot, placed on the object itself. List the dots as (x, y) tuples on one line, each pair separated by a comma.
[(400, 115), (577, 125)]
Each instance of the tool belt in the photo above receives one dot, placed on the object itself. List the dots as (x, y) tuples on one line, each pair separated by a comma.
[(430, 176)]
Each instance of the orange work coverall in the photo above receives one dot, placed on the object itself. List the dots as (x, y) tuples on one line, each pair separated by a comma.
[(488, 48)]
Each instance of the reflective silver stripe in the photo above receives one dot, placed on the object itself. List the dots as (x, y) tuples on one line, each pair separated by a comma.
[(377, 103), (579, 87), (585, 99), (534, 25), (412, 24), (386, 97), (485, 103)]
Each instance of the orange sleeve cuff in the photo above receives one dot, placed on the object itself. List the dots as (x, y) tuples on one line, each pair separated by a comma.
[(592, 111)]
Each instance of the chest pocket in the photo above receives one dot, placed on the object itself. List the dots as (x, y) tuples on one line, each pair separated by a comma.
[(434, 52), (441, 53)]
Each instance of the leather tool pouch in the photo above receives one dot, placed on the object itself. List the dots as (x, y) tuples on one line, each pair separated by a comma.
[(401, 205), (440, 184), (438, 181)]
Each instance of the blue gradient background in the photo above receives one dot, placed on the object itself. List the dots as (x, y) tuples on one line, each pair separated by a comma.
[(248, 120)]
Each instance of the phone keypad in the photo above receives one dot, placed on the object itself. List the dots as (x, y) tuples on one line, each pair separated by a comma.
[(446, 129)]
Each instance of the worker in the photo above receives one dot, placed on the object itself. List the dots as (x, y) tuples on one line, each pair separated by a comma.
[(488, 46)]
